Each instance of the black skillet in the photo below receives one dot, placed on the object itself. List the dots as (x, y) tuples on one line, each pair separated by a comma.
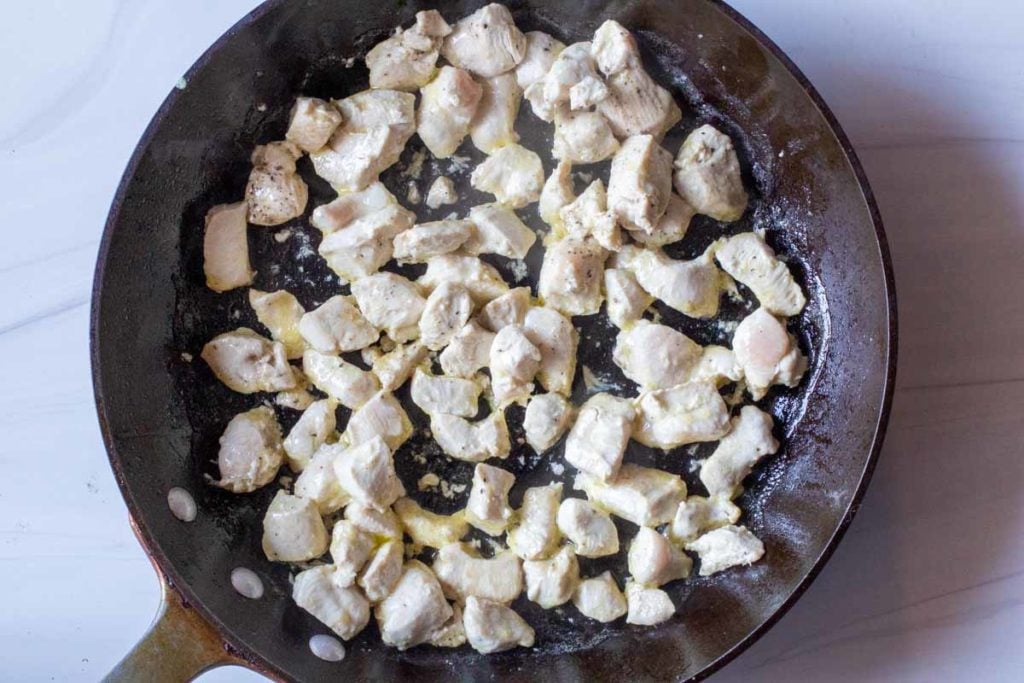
[(161, 415)]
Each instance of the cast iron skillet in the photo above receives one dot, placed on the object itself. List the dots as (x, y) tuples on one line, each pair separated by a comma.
[(161, 415)]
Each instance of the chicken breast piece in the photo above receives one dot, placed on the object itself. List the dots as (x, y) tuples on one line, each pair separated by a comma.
[(428, 528), (641, 495), (337, 326), (493, 627), (541, 52), (647, 606), (557, 340), (293, 530), (374, 205), (311, 123), (446, 312), (708, 176), (426, 240), (275, 192), (614, 48), (247, 363), (468, 351), (452, 633), (556, 193), (697, 515), (513, 174), (751, 261), (382, 415), (535, 534), (298, 397), (583, 137), (570, 277), (487, 508), (447, 106), (693, 287), (653, 561), (592, 531), (463, 574), (599, 598), (572, 83), (767, 353), (439, 394), (381, 574), (640, 183), (472, 441), (312, 430), (391, 303), (342, 381), (498, 230), (318, 481), (406, 60), (598, 439), (508, 309), (441, 192), (226, 248), (728, 546), (395, 367), (343, 609), (749, 440), (250, 451), (493, 125), (415, 609), (350, 549), (486, 42), (377, 124), (627, 300), (672, 225), (588, 215), (280, 313), (547, 418), (717, 365), (383, 525), (482, 280), (551, 583), (514, 362), (687, 413), (367, 473)]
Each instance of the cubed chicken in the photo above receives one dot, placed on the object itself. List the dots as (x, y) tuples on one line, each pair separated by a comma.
[(718, 365), (551, 583), (293, 530), (514, 362), (598, 439), (312, 430), (446, 311), (391, 303), (599, 598), (350, 549), (367, 473), (382, 415), (298, 397), (395, 367), (547, 417), (693, 287), (513, 174), (280, 312), (482, 279), (442, 191), (487, 508), (337, 326), (588, 215), (556, 194), (614, 48), (498, 230), (382, 572), (535, 534), (250, 451), (486, 42), (447, 106), (439, 394), (640, 183), (426, 240), (463, 573), (508, 309), (641, 495), (383, 525), (672, 225), (494, 123), (319, 482), (725, 547), (541, 52), (751, 261), (749, 440), (414, 610), (557, 339), (767, 353), (583, 137), (342, 381), (428, 528), (572, 82), (247, 363), (647, 606), (627, 300), (686, 413), (452, 632), (468, 351), (342, 608), (653, 561), (472, 441), (406, 60), (493, 627), (311, 123), (592, 531), (570, 277), (708, 176), (275, 192), (226, 248), (697, 515)]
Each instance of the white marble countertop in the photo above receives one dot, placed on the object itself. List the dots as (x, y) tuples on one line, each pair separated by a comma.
[(929, 583)]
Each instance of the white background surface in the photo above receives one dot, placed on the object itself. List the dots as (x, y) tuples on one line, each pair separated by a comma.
[(929, 583)]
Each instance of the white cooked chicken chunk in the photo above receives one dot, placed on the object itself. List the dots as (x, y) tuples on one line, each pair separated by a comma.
[(337, 326), (293, 530), (342, 608), (547, 417), (275, 192), (414, 610), (572, 82), (570, 277), (447, 106), (508, 309), (348, 385), (493, 125), (318, 481), (382, 415), (468, 351), (647, 606), (382, 572), (428, 528), (541, 52), (653, 561), (250, 451), (298, 397), (446, 312), (391, 303), (377, 124), (751, 261), (627, 300), (426, 240), (749, 440), (226, 248), (463, 573), (588, 215), (556, 339), (592, 531), (350, 549), (693, 287), (614, 48), (395, 367), (598, 439), (686, 413), (498, 230), (452, 632), (767, 353), (471, 441), (280, 312), (482, 279), (707, 175), (493, 627), (551, 582), (583, 137), (441, 192), (486, 42), (439, 394), (316, 424), (640, 183), (487, 508), (726, 547), (383, 525), (642, 495), (406, 60), (311, 123), (513, 174), (367, 473), (514, 362), (697, 515), (672, 225), (247, 363), (556, 194), (535, 534), (599, 598)]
